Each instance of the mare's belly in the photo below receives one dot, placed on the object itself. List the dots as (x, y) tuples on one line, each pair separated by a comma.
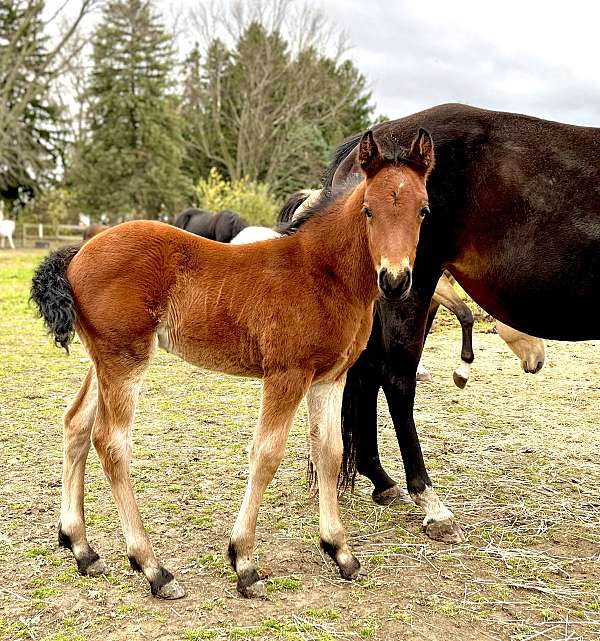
[(557, 307)]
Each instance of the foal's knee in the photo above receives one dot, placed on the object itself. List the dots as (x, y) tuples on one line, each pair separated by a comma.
[(266, 456), (114, 448)]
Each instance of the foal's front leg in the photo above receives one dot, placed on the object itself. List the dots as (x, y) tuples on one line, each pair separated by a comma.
[(281, 396), (324, 414)]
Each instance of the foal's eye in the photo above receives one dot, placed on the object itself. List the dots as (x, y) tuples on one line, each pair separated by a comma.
[(424, 211), (367, 212)]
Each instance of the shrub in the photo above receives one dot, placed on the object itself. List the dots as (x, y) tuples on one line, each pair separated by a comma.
[(251, 200)]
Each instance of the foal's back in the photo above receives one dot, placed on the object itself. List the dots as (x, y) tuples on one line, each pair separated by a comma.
[(240, 309)]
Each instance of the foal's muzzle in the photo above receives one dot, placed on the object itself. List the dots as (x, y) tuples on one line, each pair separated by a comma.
[(394, 286)]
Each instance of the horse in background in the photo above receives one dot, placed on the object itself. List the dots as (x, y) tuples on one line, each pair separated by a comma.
[(530, 350), (7, 229), (93, 230), (221, 226)]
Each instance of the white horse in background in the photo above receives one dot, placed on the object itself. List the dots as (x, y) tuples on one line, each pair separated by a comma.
[(253, 234), (7, 229)]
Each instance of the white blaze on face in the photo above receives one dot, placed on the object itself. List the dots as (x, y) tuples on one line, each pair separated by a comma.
[(394, 269)]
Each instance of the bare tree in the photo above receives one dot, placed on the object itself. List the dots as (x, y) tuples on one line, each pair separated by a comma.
[(23, 84), (276, 89)]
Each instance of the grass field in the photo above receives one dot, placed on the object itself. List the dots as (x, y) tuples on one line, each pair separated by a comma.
[(517, 457)]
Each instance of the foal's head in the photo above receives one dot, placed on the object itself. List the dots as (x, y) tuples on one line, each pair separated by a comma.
[(395, 204)]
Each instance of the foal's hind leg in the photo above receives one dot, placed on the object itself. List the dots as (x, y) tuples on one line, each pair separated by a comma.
[(326, 447), (281, 396), (118, 387), (77, 428)]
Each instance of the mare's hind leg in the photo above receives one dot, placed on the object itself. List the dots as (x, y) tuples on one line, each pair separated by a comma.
[(281, 396), (118, 387), (324, 414), (78, 423)]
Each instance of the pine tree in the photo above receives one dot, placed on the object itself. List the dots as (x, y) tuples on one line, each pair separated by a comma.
[(264, 112), (130, 163), (31, 133)]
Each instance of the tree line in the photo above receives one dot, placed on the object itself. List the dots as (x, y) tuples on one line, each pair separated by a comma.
[(120, 124)]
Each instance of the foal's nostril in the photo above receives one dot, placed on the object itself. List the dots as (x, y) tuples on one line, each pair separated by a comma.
[(394, 285), (381, 279)]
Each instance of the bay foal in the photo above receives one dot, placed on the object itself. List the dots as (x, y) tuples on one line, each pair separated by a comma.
[(296, 311)]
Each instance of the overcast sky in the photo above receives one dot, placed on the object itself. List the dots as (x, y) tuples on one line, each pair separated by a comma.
[(541, 58), (529, 56)]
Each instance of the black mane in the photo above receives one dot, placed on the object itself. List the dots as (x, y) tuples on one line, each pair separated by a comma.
[(291, 205)]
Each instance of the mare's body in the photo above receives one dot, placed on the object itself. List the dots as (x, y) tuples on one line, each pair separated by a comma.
[(515, 218)]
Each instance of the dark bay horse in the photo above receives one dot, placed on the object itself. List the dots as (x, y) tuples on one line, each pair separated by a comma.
[(515, 218), (221, 226), (295, 311)]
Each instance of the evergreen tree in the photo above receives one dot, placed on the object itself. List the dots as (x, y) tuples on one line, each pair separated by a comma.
[(130, 162), (31, 132), (262, 112)]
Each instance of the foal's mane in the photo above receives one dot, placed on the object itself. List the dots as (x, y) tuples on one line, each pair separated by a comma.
[(338, 156)]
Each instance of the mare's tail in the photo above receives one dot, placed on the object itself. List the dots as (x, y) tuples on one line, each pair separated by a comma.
[(52, 293)]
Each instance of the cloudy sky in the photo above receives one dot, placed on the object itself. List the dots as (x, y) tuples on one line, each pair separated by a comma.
[(529, 56)]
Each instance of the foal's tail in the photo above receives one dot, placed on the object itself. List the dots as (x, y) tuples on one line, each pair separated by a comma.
[(52, 293)]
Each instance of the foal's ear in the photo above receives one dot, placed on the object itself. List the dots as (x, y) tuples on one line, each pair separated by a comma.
[(368, 154), (421, 152)]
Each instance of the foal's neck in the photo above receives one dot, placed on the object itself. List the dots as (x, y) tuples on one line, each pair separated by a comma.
[(338, 244)]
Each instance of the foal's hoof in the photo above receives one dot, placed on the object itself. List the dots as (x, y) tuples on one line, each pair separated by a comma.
[(459, 380), (351, 569), (446, 531), (424, 377), (257, 590), (171, 590), (97, 568), (394, 494)]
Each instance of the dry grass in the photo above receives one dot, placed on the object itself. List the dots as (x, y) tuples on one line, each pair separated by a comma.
[(515, 456)]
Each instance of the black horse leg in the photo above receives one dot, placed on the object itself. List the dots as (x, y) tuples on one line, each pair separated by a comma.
[(359, 423), (422, 372), (359, 426), (402, 323), (439, 523)]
